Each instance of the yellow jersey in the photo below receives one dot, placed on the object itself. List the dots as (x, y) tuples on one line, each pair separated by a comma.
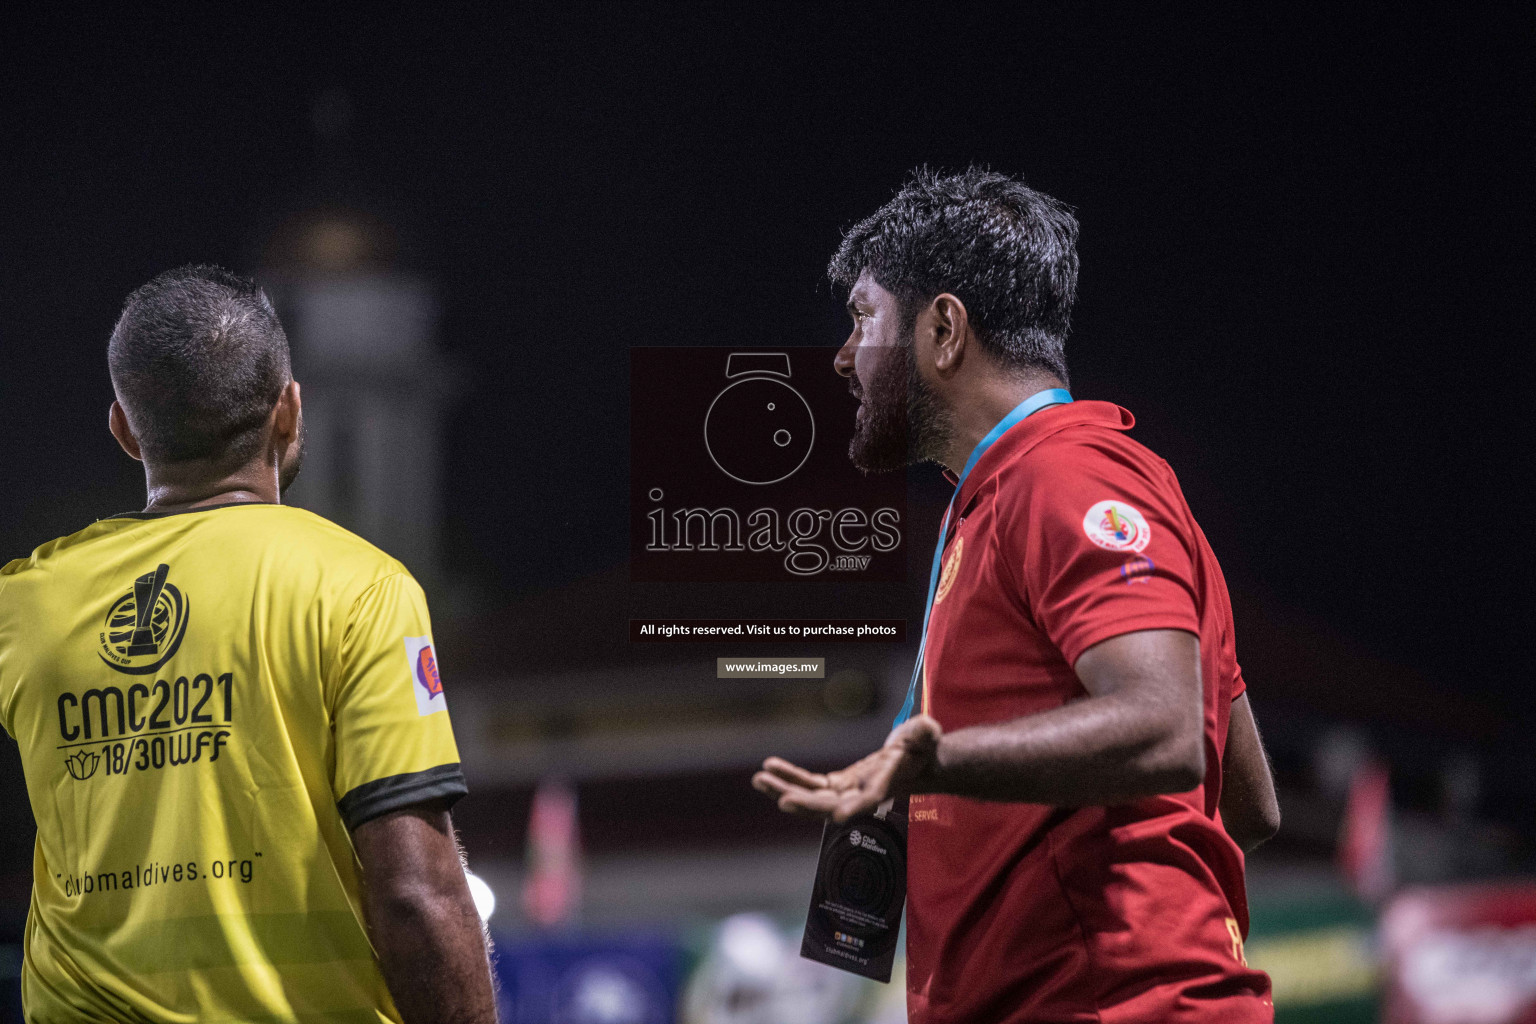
[(206, 701)]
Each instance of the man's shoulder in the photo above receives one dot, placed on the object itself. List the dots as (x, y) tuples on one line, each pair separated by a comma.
[(1084, 451), (44, 554), (305, 532), (312, 550), (1073, 469), (234, 533)]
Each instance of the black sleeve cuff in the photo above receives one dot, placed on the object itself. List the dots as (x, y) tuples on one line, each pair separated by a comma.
[(372, 799)]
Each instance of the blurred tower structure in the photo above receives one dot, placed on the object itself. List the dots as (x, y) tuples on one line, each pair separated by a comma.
[(375, 384)]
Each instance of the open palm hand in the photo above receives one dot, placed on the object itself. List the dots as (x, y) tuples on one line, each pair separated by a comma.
[(892, 771)]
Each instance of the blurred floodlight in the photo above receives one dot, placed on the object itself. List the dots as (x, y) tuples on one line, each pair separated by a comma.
[(605, 994), (753, 974), (485, 899), (752, 945)]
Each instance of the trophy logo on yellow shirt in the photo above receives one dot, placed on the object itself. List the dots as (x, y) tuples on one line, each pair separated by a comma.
[(144, 627)]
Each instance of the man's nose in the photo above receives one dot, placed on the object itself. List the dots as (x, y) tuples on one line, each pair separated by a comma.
[(843, 361)]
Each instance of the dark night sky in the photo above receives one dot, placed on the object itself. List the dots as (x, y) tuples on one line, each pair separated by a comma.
[(1305, 247)]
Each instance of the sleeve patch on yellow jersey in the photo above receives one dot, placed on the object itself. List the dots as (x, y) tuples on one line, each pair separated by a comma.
[(425, 680)]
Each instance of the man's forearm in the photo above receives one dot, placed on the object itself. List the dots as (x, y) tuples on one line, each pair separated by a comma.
[(1139, 731), (1098, 750), (433, 952), (422, 919)]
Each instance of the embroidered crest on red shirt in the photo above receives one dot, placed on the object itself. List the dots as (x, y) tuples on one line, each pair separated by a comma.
[(1116, 526), (950, 571)]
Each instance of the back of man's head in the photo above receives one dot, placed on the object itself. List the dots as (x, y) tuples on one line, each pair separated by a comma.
[(1006, 251), (198, 360)]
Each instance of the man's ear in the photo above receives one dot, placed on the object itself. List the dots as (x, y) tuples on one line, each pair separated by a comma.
[(117, 422), (950, 325), (285, 417)]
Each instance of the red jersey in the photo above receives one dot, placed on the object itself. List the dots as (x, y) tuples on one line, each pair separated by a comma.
[(1067, 533)]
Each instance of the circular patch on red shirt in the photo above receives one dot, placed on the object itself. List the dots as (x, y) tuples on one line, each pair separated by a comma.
[(1116, 526), (950, 571)]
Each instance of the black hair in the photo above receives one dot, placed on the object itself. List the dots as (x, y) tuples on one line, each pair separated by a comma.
[(198, 359), (1007, 252)]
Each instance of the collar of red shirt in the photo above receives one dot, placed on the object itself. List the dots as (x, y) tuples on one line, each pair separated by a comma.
[(1029, 432)]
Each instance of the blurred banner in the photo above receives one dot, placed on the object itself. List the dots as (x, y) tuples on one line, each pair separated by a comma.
[(1366, 854), (745, 969), (552, 889), (1462, 954), (582, 980)]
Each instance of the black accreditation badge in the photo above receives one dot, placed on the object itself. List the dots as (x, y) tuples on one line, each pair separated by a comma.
[(861, 887)]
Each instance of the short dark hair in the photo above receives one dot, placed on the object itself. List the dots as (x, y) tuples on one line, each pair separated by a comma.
[(1006, 251), (198, 360)]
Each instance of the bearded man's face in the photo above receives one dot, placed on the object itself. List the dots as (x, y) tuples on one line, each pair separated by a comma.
[(901, 419)]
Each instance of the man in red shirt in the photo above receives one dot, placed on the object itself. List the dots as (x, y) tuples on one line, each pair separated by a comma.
[(1084, 771)]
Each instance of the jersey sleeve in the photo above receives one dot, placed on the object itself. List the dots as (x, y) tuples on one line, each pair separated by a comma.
[(1102, 549), (394, 743), (6, 690)]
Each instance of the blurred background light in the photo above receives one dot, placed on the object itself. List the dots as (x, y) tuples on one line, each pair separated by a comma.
[(484, 897)]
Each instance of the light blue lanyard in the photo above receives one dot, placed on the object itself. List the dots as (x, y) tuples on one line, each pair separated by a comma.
[(1025, 409)]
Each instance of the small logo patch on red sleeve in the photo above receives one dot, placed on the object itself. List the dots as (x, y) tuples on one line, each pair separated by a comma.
[(1137, 569), (1116, 526)]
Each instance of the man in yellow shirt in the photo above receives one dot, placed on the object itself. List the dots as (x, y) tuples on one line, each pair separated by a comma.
[(235, 736)]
